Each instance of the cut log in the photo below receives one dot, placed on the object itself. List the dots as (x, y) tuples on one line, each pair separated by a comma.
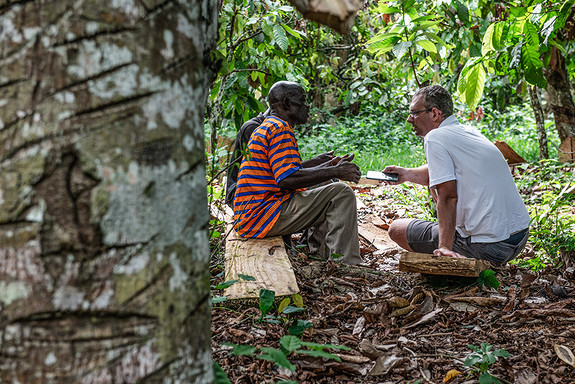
[(510, 155), (266, 260), (441, 265)]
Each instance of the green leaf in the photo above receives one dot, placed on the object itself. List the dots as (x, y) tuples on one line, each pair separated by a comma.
[(241, 350), (533, 66), (487, 43), (219, 299), (427, 45), (530, 33), (266, 301), (379, 47), (220, 376), (516, 55), (293, 32), (276, 356), (501, 353), (226, 284), (299, 326), (291, 309), (283, 305), (324, 346), (290, 343), (399, 50), (246, 277), (487, 278), (319, 353), (548, 29), (384, 8), (280, 37), (486, 378), (471, 360), (474, 83), (462, 12), (297, 300)]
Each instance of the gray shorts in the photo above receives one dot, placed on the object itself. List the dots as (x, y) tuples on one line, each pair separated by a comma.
[(423, 237)]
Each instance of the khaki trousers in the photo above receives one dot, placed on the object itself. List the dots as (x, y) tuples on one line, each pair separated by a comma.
[(332, 206)]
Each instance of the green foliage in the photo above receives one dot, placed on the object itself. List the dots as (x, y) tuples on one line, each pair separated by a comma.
[(220, 376), (487, 277), (482, 359), (289, 345), (266, 301), (552, 230)]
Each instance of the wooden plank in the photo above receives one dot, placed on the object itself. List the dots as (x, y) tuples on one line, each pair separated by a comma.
[(441, 265), (510, 155), (264, 259)]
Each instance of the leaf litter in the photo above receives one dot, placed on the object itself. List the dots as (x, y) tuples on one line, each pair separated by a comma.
[(404, 327)]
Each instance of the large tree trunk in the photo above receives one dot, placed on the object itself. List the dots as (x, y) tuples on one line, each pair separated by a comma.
[(560, 97), (103, 239)]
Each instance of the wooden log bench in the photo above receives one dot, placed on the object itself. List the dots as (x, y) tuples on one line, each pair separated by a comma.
[(441, 265), (266, 260)]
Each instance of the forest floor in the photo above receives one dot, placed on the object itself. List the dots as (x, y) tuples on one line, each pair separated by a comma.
[(403, 327)]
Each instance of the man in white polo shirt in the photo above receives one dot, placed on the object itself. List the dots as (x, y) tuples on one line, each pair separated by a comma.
[(480, 213)]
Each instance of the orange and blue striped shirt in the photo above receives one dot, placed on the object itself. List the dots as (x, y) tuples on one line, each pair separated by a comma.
[(273, 155)]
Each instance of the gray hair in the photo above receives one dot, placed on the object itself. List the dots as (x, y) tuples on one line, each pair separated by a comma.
[(436, 96)]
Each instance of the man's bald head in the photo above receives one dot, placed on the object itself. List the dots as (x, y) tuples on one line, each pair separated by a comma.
[(284, 89), (287, 101)]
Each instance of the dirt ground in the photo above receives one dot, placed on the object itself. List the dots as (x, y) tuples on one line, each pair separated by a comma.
[(404, 327)]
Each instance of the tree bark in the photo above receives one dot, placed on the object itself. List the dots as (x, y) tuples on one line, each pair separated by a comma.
[(104, 256), (560, 98), (539, 123)]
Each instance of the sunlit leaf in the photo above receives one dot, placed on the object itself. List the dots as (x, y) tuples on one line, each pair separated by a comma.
[(427, 45), (400, 49), (487, 43), (451, 374), (297, 300), (284, 303), (474, 85)]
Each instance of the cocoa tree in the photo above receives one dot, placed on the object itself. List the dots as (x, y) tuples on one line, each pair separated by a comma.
[(103, 241)]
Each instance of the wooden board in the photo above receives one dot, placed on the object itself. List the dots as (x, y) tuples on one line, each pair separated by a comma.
[(510, 155), (264, 259), (441, 265)]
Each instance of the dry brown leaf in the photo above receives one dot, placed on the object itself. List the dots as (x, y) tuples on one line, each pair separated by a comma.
[(451, 374), (402, 311), (398, 302), (424, 319), (565, 354)]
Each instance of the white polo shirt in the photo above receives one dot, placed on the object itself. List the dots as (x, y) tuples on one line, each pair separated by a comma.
[(489, 207)]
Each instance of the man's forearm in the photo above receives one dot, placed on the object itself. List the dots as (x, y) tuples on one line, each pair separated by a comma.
[(307, 177), (419, 175), (446, 217)]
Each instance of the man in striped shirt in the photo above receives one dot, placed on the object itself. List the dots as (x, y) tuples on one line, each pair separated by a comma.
[(272, 196)]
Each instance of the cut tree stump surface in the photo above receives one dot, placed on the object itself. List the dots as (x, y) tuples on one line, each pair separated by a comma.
[(266, 260), (441, 265)]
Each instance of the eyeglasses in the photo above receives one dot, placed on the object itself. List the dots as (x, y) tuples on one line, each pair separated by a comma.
[(414, 114)]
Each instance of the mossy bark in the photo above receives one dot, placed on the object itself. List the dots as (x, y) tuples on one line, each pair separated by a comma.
[(104, 259)]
